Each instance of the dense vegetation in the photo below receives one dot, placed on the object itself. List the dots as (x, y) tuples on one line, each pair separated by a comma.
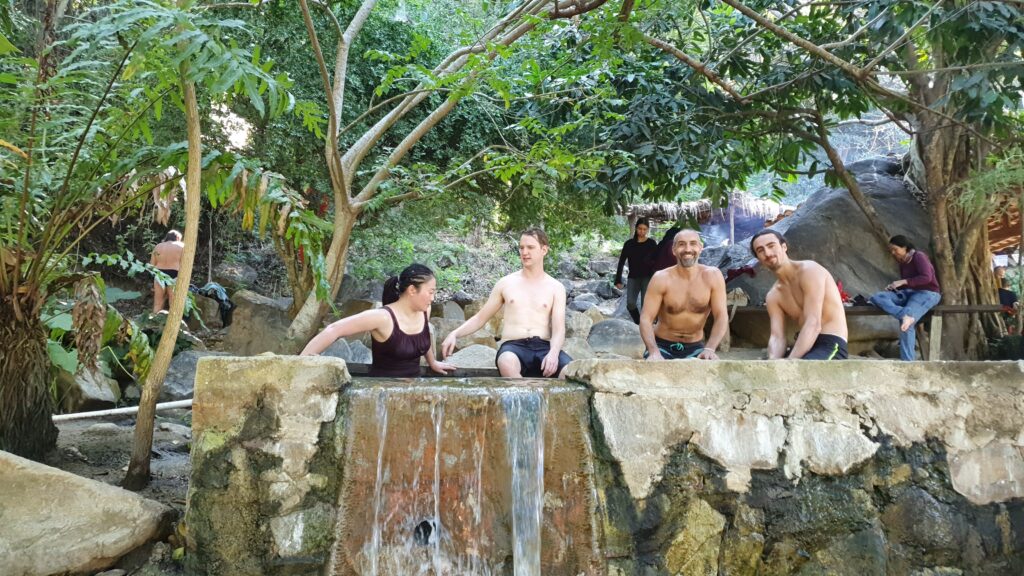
[(376, 124)]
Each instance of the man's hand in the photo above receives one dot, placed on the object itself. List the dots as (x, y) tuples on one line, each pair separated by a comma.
[(448, 346), (442, 367), (707, 354), (549, 366), (654, 356)]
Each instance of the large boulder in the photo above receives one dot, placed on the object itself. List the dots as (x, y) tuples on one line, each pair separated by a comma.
[(259, 325), (616, 336), (87, 389), (474, 356), (353, 288), (453, 311), (354, 306), (354, 352), (830, 229), (603, 266), (55, 522), (235, 275), (181, 375), (206, 314), (578, 348)]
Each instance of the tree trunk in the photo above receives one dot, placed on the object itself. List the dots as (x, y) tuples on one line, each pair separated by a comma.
[(26, 409), (306, 323), (138, 469)]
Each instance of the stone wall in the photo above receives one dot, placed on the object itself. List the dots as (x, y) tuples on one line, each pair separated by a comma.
[(719, 468), (864, 467)]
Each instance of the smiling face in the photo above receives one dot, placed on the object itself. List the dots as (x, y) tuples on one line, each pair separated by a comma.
[(686, 247), (531, 251), (770, 252)]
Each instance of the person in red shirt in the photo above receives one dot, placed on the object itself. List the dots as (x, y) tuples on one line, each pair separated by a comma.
[(910, 297)]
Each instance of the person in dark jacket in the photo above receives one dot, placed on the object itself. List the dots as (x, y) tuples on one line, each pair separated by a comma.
[(400, 329), (910, 297), (639, 251)]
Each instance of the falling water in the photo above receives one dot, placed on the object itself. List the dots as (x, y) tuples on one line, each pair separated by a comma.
[(524, 411), (382, 432)]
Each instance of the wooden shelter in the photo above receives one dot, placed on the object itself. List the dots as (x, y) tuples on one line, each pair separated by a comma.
[(742, 212), (1004, 230)]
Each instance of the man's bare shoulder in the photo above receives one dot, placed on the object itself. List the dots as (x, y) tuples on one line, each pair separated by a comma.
[(711, 273), (554, 284), (773, 296), (812, 271)]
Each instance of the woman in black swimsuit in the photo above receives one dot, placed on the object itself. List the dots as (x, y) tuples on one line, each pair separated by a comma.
[(400, 329)]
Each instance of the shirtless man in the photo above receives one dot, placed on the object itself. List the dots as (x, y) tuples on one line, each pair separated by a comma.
[(534, 326), (806, 292), (167, 259), (682, 297)]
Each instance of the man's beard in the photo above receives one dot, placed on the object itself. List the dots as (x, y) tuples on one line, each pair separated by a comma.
[(687, 261)]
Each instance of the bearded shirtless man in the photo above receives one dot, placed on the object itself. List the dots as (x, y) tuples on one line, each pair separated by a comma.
[(806, 292), (681, 298), (534, 319)]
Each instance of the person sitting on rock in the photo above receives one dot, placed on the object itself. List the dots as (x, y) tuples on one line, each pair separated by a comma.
[(910, 297), (400, 330), (534, 328), (681, 298), (639, 251), (805, 291)]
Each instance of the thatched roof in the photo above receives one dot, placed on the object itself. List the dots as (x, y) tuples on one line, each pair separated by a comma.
[(745, 204), (1004, 230)]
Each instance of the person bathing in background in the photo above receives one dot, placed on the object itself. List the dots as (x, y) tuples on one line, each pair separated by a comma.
[(910, 297), (681, 298), (167, 259), (805, 291), (534, 321), (639, 251), (400, 330)]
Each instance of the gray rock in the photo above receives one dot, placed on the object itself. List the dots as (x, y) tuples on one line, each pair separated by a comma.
[(917, 519), (83, 528), (577, 324), (206, 314), (360, 354), (354, 306), (259, 325), (183, 431), (603, 288), (616, 336), (453, 311), (181, 375), (235, 275), (859, 554), (587, 297), (103, 429), (87, 389), (474, 356), (581, 305), (114, 572), (695, 549), (603, 266), (568, 285), (338, 349), (578, 348), (566, 267), (462, 298), (353, 288)]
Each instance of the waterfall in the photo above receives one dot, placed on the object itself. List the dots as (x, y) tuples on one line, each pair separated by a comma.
[(524, 412)]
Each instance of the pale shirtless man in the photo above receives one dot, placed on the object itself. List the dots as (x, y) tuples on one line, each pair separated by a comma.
[(534, 321), (167, 259), (806, 292), (682, 297)]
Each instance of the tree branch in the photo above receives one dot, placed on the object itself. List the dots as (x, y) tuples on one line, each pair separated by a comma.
[(903, 37), (695, 64)]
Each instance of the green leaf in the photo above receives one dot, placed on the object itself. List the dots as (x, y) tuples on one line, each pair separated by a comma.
[(62, 321), (116, 294), (64, 359), (6, 47)]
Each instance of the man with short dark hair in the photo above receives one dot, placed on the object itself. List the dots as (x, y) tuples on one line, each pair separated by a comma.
[(681, 298), (533, 330), (806, 292), (167, 259)]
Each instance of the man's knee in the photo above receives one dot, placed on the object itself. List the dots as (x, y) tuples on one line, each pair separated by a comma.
[(508, 365)]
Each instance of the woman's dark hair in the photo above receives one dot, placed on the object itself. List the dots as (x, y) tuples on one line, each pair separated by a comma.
[(413, 275), (901, 241), (640, 221)]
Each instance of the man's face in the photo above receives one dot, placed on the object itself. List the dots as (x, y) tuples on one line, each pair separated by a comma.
[(530, 251), (686, 247), (770, 252)]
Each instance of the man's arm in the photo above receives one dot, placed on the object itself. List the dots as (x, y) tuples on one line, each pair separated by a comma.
[(777, 318), (549, 365), (652, 304), (720, 310), (476, 321), (812, 283)]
